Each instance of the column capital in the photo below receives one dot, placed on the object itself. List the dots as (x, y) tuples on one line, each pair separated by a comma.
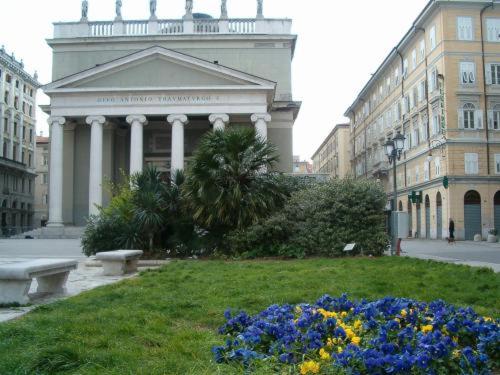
[(261, 116), (218, 116), (93, 119), (137, 118), (183, 119), (53, 119)]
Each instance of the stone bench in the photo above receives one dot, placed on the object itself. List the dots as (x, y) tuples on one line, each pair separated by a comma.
[(119, 262), (16, 278)]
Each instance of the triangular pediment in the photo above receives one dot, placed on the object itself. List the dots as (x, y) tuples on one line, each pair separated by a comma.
[(158, 67)]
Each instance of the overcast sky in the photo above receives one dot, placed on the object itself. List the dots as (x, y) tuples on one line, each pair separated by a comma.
[(340, 44)]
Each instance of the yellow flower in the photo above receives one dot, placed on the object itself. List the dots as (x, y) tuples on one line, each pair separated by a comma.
[(427, 328), (324, 354), (456, 353), (349, 332), (339, 349), (357, 324), (309, 367), (330, 342), (343, 314), (356, 340), (397, 320), (327, 314), (404, 313), (298, 310), (455, 339), (488, 319)]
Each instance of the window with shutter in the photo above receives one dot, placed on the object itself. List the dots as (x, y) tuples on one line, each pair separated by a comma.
[(495, 118), (426, 171), (471, 163), (437, 166), (432, 37), (422, 50), (493, 74), (464, 28), (467, 73), (414, 59), (396, 76), (417, 174), (497, 163), (468, 115), (405, 68), (493, 29)]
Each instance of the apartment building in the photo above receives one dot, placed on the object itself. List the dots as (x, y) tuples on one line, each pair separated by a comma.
[(332, 157), (17, 145), (301, 166), (439, 87)]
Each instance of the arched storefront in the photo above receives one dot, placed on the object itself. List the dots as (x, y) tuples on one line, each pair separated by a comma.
[(427, 217), (472, 214), (439, 216)]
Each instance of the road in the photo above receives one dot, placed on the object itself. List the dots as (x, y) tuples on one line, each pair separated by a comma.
[(478, 254)]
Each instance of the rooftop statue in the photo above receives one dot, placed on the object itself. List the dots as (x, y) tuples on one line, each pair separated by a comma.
[(223, 9), (189, 7), (260, 8), (85, 9), (152, 8), (118, 8)]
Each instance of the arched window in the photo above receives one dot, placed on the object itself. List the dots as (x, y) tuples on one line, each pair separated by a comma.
[(472, 197), (468, 113)]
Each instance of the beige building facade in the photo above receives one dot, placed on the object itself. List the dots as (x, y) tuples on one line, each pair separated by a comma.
[(439, 87), (332, 157), (126, 94)]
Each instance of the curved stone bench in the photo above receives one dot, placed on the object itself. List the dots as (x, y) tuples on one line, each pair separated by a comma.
[(119, 262), (16, 278)]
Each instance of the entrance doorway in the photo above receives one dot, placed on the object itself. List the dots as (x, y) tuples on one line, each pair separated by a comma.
[(427, 217), (472, 214)]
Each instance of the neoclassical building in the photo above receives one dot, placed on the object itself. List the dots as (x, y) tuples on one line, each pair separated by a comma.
[(126, 94)]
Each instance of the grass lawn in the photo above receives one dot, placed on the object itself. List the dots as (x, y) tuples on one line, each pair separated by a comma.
[(165, 321)]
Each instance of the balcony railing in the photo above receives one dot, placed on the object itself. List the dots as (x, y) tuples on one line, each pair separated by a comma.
[(100, 29)]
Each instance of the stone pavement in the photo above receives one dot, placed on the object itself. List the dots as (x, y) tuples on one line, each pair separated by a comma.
[(477, 254), (80, 280)]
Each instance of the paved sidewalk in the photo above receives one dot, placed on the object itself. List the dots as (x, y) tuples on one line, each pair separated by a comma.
[(477, 254), (80, 280)]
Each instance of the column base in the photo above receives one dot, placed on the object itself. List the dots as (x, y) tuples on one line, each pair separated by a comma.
[(55, 225)]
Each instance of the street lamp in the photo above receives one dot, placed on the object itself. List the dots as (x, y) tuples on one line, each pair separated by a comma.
[(393, 150)]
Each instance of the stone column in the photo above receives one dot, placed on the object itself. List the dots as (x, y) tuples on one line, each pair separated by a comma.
[(95, 176), (261, 120), (56, 171), (137, 123), (219, 120), (177, 158)]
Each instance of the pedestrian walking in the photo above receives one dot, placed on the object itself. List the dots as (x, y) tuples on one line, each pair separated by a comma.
[(451, 230)]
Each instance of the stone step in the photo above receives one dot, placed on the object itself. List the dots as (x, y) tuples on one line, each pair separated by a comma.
[(53, 233)]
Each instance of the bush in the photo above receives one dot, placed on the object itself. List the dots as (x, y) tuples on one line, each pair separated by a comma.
[(320, 220)]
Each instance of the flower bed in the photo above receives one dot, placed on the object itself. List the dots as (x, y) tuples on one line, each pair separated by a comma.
[(387, 336)]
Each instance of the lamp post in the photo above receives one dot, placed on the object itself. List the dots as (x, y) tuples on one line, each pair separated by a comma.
[(393, 149)]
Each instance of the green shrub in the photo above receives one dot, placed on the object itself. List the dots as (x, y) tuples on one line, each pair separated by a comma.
[(320, 220)]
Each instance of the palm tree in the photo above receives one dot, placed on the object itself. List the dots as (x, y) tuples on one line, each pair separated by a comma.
[(150, 201), (229, 184)]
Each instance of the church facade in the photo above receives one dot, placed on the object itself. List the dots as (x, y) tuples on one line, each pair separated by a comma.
[(126, 94)]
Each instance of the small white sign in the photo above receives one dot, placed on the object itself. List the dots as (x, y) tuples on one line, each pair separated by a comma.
[(349, 247)]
